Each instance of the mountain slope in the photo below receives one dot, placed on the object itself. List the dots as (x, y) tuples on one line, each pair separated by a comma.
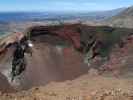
[(124, 19)]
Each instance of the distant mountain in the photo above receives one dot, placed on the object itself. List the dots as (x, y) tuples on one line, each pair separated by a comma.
[(42, 16), (11, 20), (103, 15), (123, 19)]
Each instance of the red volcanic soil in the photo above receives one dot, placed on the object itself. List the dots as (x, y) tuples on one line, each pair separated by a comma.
[(52, 63), (121, 59), (67, 32), (53, 59), (70, 34), (54, 54)]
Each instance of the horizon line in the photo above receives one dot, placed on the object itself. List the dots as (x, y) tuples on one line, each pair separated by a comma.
[(65, 11)]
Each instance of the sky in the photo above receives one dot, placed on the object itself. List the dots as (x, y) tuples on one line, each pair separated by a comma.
[(62, 5)]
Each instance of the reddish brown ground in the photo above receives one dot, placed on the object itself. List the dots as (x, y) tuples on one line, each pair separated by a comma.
[(51, 61), (67, 32), (4, 85)]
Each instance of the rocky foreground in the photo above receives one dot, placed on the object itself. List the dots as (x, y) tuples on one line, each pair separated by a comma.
[(83, 88)]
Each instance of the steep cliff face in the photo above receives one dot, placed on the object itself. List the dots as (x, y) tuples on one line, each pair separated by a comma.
[(54, 58)]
